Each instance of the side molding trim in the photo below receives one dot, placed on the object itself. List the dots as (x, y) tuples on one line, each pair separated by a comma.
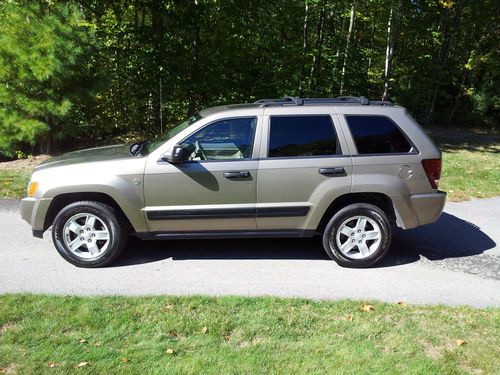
[(228, 213), (278, 233)]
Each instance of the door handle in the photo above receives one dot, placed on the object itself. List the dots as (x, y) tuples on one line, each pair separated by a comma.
[(238, 174), (335, 172)]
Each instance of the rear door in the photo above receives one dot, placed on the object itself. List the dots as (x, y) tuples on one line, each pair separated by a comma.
[(302, 168)]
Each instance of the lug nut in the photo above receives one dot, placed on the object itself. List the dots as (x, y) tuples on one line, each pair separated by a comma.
[(353, 240), (359, 241), (81, 231), (359, 230), (88, 229), (93, 234), (352, 234), (81, 238), (364, 235)]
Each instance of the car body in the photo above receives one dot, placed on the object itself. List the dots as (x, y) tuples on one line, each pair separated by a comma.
[(229, 172)]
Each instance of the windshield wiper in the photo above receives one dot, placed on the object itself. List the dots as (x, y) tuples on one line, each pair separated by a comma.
[(137, 147)]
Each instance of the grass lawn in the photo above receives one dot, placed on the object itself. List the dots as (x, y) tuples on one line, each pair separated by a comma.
[(471, 174), (168, 335), (471, 163), (13, 183)]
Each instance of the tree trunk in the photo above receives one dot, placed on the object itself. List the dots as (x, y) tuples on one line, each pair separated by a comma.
[(458, 97), (157, 28), (195, 53), (316, 66), (392, 34), (348, 42), (449, 26), (47, 145), (304, 48), (337, 56)]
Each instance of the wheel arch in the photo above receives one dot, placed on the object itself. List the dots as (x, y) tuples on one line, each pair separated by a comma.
[(381, 200), (62, 200)]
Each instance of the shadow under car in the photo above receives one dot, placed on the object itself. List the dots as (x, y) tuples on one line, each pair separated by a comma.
[(449, 237)]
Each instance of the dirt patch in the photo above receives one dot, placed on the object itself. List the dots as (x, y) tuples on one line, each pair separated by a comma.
[(5, 327), (436, 352), (27, 164), (10, 369)]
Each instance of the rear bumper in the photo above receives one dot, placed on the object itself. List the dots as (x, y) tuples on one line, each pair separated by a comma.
[(428, 207), (419, 209), (34, 211)]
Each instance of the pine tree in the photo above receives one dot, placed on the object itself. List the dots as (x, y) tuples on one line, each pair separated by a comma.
[(43, 72)]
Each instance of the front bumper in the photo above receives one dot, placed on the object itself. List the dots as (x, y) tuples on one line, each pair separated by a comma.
[(34, 211)]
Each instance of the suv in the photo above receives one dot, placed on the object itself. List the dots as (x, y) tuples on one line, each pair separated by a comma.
[(347, 169)]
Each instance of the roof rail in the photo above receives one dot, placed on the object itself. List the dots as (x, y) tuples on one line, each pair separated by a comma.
[(295, 100)]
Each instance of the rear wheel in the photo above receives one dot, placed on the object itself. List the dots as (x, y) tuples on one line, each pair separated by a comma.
[(357, 236), (89, 234)]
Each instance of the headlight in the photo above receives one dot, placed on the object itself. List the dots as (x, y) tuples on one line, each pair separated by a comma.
[(32, 188)]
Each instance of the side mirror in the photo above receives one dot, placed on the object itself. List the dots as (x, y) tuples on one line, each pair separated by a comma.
[(175, 155)]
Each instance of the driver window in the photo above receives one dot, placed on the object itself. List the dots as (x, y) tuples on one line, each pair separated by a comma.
[(222, 140)]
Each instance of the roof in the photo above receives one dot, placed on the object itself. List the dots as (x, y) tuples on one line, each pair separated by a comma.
[(341, 100), (294, 101)]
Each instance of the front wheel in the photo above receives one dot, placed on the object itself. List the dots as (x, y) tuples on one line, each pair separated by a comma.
[(89, 234), (357, 236)]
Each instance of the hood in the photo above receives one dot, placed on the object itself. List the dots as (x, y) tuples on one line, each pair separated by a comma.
[(88, 155)]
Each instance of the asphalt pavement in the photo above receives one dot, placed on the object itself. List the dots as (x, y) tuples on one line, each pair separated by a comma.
[(455, 261)]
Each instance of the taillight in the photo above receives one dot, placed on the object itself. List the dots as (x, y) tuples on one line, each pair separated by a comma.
[(432, 169)]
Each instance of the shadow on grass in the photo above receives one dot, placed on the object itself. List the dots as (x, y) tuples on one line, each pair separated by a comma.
[(452, 140), (450, 237)]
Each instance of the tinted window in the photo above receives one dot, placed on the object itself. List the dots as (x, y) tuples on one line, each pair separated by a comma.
[(225, 139), (377, 135), (302, 136)]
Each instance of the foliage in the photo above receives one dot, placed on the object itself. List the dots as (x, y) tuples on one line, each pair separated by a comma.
[(175, 58), (50, 334), (43, 72)]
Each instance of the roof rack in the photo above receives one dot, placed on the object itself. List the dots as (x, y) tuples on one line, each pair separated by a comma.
[(295, 100)]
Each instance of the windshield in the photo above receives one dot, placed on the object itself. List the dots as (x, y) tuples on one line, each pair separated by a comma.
[(150, 147)]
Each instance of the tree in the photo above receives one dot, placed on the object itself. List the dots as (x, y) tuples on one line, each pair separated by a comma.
[(43, 72), (447, 28), (392, 34), (437, 58), (347, 45)]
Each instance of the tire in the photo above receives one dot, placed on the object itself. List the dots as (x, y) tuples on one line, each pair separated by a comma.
[(354, 243), (83, 241)]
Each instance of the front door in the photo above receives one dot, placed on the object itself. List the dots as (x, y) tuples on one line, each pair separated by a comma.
[(214, 190)]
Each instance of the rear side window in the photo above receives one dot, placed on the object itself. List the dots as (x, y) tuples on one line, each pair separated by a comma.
[(302, 136), (377, 135)]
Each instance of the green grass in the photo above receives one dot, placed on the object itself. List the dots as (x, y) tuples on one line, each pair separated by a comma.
[(13, 183), (470, 174), (471, 162), (242, 335)]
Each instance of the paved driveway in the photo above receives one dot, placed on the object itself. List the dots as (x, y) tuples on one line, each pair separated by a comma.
[(455, 261)]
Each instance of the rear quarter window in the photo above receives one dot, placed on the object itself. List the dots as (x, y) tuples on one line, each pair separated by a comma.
[(377, 135)]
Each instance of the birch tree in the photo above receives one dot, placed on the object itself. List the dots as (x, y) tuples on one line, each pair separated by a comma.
[(347, 45), (392, 35)]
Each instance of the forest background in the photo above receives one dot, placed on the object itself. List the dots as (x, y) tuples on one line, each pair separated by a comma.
[(76, 74)]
